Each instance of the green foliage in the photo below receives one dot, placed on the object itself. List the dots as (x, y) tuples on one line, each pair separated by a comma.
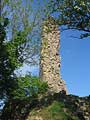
[(11, 58), (57, 111), (8, 81), (29, 87), (75, 14), (15, 48), (25, 98), (55, 108)]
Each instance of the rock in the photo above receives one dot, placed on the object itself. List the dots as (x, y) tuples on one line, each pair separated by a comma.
[(34, 118)]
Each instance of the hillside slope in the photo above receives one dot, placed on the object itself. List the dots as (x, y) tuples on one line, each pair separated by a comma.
[(62, 107), (52, 107)]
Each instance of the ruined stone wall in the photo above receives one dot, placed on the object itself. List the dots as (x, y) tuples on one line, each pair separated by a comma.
[(50, 59)]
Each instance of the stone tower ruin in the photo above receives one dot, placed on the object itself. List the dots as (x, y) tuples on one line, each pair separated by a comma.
[(49, 56)]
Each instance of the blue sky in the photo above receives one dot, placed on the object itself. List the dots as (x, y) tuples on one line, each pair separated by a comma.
[(75, 69)]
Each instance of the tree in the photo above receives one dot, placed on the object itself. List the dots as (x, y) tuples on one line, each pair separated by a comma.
[(8, 80), (22, 17), (75, 14), (19, 43)]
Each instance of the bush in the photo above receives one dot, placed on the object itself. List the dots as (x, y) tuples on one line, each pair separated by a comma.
[(29, 87)]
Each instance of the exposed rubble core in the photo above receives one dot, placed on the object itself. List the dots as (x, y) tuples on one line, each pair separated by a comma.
[(50, 60)]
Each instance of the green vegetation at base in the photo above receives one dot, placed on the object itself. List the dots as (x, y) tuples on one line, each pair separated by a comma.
[(58, 106), (55, 111)]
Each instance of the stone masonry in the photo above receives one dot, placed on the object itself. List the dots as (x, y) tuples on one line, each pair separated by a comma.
[(50, 59)]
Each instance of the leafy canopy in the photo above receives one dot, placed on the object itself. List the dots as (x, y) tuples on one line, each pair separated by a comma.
[(75, 14), (8, 81)]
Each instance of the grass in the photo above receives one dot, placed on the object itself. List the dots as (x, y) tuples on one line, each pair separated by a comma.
[(55, 111)]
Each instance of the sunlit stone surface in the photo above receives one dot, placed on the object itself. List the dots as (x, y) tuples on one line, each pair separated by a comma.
[(50, 59)]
